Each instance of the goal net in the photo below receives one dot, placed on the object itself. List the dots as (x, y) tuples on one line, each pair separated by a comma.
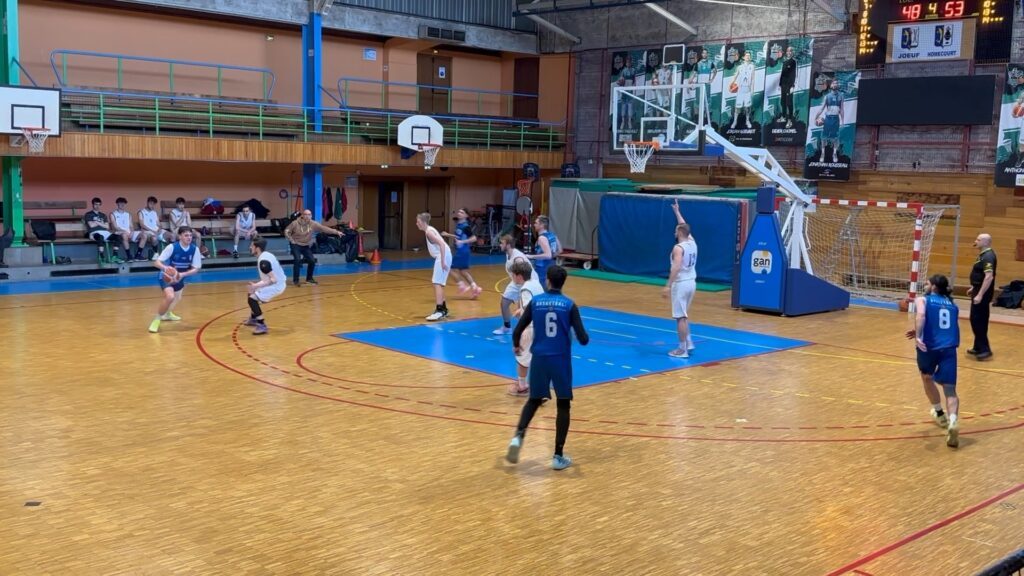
[(874, 250)]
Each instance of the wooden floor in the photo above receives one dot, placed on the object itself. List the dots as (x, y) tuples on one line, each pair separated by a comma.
[(205, 450)]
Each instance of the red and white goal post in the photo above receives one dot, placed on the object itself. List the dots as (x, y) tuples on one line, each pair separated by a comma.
[(876, 250)]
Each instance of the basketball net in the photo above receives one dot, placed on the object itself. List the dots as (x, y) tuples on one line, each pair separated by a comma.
[(638, 153), (525, 186), (429, 154), (36, 138)]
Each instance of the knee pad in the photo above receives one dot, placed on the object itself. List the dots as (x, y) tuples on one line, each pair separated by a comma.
[(563, 403), (537, 401)]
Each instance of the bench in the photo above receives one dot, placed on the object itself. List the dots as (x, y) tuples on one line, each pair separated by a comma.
[(220, 227)]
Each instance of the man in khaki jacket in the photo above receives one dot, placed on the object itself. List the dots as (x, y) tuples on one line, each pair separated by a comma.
[(300, 237)]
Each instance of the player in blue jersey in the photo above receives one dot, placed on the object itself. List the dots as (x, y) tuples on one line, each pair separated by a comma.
[(179, 260), (937, 332), (546, 249), (464, 240), (551, 364), (832, 110)]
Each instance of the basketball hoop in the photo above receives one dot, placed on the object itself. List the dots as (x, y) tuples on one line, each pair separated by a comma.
[(429, 154), (36, 138), (638, 153), (525, 186)]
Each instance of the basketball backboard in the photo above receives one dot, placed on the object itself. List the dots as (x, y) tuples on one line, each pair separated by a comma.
[(29, 107), (417, 130), (670, 112)]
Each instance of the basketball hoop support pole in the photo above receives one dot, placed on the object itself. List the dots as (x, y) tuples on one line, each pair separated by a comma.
[(14, 213)]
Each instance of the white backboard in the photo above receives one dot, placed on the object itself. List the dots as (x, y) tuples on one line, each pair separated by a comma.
[(29, 107), (416, 130)]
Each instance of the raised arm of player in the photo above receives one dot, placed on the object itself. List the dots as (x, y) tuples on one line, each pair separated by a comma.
[(679, 215)]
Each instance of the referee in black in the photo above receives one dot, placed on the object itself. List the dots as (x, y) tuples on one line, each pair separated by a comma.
[(983, 284)]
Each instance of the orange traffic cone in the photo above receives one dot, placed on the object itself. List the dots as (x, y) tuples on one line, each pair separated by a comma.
[(375, 258)]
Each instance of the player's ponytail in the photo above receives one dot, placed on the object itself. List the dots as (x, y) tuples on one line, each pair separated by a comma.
[(940, 286)]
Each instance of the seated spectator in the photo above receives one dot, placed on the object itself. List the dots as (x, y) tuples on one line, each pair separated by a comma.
[(97, 227), (179, 217), (245, 227), (121, 221), (149, 224)]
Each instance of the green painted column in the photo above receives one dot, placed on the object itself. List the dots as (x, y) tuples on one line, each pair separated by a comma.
[(14, 213)]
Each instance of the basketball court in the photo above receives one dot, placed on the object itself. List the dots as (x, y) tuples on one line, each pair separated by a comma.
[(354, 433)]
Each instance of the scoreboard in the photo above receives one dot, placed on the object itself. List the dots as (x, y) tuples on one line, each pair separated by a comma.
[(992, 22)]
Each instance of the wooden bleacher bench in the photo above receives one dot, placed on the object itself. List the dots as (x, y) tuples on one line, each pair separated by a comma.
[(220, 227)]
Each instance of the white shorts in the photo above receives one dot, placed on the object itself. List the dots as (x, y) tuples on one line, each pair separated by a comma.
[(246, 234), (105, 235), (441, 276), (525, 341), (267, 293), (682, 296), (512, 290), (743, 99), (133, 236)]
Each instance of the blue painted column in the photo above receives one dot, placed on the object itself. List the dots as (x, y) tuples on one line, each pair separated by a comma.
[(312, 57)]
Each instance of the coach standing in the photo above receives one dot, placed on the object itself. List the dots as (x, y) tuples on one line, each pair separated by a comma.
[(983, 284)]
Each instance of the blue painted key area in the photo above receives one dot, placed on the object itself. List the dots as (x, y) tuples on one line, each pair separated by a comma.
[(622, 345)]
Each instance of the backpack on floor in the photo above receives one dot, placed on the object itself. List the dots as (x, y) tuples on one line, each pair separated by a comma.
[(1011, 296)]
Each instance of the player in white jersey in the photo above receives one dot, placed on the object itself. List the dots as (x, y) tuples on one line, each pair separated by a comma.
[(271, 284), (149, 224), (528, 286), (438, 248), (511, 294), (245, 227), (682, 283), (121, 224), (745, 88)]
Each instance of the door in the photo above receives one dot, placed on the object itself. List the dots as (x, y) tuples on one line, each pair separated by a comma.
[(434, 72), (389, 203), (526, 81)]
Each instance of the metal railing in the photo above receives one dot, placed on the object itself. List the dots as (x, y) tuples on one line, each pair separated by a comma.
[(25, 72), (499, 102), (86, 110), (267, 78)]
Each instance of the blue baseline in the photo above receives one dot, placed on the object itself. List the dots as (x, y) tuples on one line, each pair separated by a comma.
[(622, 345), (149, 279)]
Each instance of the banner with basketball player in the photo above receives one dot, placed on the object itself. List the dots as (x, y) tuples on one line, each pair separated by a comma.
[(1010, 150), (703, 66), (833, 120), (787, 82), (743, 92), (631, 68)]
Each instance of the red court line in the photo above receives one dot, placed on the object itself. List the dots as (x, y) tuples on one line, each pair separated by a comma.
[(926, 531)]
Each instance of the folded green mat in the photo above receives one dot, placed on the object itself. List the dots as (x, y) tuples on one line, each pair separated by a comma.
[(613, 277)]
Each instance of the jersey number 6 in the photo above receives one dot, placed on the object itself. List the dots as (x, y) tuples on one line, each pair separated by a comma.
[(551, 324)]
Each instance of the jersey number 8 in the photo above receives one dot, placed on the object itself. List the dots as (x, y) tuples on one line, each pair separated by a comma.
[(551, 324), (944, 319)]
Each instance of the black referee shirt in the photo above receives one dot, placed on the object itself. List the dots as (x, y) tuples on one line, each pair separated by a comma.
[(986, 263)]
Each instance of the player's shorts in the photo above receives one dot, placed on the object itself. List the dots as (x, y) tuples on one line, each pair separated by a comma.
[(548, 372), (512, 292), (743, 99), (830, 130), (939, 364), (440, 275), (267, 293), (460, 261), (247, 234), (525, 341), (178, 286), (103, 234), (682, 296), (133, 236)]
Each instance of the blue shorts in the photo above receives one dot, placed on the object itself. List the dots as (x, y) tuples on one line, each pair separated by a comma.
[(178, 286), (460, 260), (548, 372), (830, 131), (939, 364)]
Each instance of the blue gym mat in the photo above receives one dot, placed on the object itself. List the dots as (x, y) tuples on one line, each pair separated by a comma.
[(622, 345)]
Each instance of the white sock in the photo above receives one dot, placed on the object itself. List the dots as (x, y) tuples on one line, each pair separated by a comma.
[(952, 419), (937, 407), (236, 247)]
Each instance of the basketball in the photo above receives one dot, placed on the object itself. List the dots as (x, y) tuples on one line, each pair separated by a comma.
[(734, 87), (1018, 110), (170, 275)]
